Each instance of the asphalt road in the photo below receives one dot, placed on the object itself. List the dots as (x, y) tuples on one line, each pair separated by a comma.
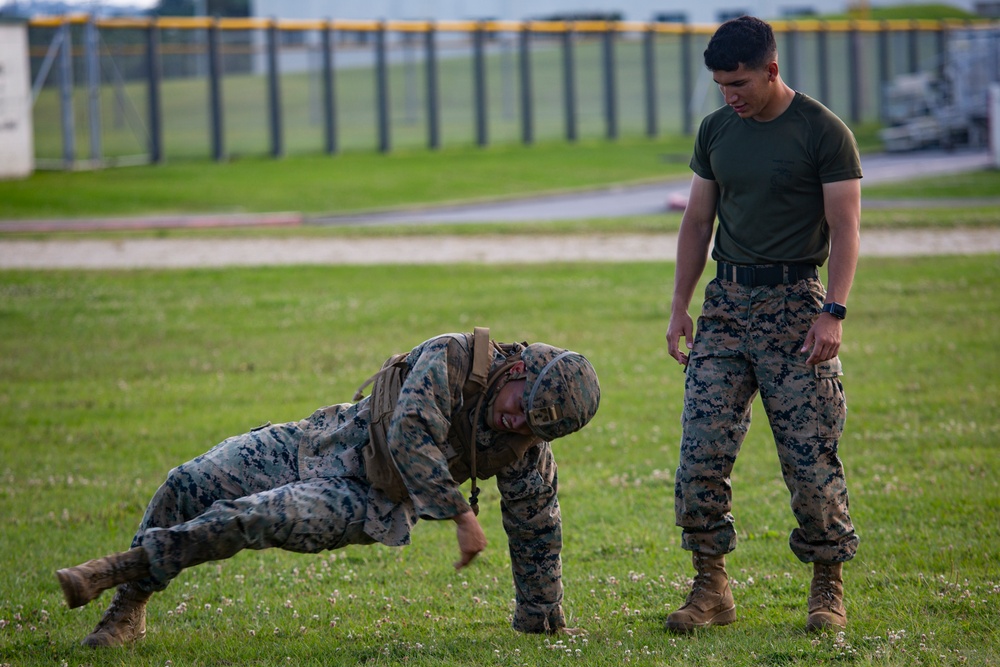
[(651, 198)]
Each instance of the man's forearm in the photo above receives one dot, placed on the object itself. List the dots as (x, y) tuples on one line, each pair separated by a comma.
[(692, 256), (842, 201), (844, 247)]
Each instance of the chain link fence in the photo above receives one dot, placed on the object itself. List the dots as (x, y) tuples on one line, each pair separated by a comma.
[(126, 91)]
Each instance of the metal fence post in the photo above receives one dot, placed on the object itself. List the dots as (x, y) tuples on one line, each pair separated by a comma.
[(329, 91), (569, 84), (527, 114), (215, 91), (792, 58), (884, 65), (433, 107), (66, 96), (649, 59), (93, 60), (687, 82), (854, 67), (274, 88), (610, 89), (823, 55), (154, 77), (382, 90), (479, 83)]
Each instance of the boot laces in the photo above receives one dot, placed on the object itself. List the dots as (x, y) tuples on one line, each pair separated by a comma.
[(126, 607), (699, 586), (825, 593)]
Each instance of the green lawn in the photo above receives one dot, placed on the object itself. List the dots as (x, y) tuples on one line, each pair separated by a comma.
[(323, 185), (108, 379)]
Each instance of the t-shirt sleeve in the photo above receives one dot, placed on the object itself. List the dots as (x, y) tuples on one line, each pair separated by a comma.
[(700, 163), (839, 159)]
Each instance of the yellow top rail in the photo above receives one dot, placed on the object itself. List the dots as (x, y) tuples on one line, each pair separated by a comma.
[(370, 25)]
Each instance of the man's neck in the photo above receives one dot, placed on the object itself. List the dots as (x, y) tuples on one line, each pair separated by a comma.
[(780, 101)]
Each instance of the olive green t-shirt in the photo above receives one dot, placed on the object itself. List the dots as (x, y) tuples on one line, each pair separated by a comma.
[(770, 178)]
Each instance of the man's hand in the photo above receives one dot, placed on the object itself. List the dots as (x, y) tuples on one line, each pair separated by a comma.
[(680, 326), (471, 538), (823, 339)]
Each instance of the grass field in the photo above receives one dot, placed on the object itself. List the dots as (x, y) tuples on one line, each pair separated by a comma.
[(336, 185), (108, 379)]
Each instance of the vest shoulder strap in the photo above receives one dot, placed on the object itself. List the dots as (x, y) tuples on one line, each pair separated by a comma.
[(481, 362)]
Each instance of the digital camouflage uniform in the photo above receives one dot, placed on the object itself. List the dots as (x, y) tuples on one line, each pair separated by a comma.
[(301, 486), (750, 340)]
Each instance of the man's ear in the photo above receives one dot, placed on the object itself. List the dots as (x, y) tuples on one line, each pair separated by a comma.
[(516, 369), (772, 70)]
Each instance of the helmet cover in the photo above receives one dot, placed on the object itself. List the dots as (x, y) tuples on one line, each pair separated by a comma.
[(561, 393)]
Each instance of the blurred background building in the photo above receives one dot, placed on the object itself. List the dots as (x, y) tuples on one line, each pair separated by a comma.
[(706, 11)]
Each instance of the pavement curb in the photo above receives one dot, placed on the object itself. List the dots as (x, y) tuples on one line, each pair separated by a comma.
[(155, 222)]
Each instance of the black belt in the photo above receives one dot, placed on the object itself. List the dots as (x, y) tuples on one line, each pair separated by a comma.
[(761, 275)]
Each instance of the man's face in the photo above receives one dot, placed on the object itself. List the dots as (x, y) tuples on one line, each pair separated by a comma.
[(508, 411), (748, 91)]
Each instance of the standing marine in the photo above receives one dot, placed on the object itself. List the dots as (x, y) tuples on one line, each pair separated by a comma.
[(781, 173)]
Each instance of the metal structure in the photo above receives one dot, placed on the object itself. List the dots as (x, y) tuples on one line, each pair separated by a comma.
[(196, 87), (948, 105)]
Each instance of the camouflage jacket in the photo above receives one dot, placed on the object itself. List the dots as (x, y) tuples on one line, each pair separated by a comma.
[(333, 438)]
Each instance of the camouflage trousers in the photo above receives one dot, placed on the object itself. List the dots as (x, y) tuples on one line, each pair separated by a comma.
[(748, 341), (246, 493)]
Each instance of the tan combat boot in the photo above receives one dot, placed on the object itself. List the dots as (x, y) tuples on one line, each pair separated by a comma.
[(710, 601), (83, 583), (124, 621), (826, 597)]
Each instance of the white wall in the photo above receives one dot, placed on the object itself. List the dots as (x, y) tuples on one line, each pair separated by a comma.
[(17, 147), (705, 11)]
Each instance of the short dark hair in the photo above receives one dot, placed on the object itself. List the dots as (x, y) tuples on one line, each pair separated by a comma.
[(746, 40)]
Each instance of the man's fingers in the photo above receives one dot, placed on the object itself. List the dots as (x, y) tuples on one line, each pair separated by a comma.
[(808, 342), (680, 327), (467, 557), (471, 539)]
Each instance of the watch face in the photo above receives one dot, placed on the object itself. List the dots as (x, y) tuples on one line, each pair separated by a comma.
[(835, 309)]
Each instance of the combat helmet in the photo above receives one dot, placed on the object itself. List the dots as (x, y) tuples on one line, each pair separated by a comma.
[(561, 392)]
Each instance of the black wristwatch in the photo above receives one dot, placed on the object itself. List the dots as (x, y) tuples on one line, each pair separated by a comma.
[(838, 310)]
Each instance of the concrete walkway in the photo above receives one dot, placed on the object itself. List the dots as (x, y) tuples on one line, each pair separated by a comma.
[(486, 248)]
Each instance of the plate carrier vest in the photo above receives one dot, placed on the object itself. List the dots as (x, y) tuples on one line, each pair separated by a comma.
[(465, 460)]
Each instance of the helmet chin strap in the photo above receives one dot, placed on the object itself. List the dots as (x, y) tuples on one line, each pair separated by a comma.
[(497, 380)]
